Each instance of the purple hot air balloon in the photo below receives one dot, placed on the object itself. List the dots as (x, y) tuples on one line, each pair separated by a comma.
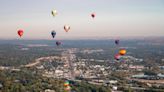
[(117, 42), (58, 43)]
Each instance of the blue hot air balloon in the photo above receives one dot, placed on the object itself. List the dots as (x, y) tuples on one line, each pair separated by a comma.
[(53, 33)]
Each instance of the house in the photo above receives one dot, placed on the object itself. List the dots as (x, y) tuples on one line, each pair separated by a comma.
[(136, 67), (49, 90)]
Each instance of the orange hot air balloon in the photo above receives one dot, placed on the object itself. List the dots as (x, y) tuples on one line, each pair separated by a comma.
[(66, 85), (122, 52), (20, 32), (66, 28)]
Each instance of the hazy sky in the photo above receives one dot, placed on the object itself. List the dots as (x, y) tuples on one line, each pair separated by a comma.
[(114, 18)]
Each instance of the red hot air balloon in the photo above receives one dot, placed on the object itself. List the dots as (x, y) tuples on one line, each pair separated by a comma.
[(117, 57), (20, 32), (93, 15)]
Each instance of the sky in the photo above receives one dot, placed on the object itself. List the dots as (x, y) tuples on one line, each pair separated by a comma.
[(114, 18)]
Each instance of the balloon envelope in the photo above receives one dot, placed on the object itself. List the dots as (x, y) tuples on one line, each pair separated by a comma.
[(66, 83), (20, 32), (92, 15), (117, 42), (122, 52), (66, 28), (68, 88), (53, 33), (54, 13), (117, 57), (58, 43)]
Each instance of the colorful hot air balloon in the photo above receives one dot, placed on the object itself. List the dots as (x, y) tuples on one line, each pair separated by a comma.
[(53, 33), (58, 43), (117, 57), (66, 83), (54, 13), (66, 28), (117, 42), (20, 32), (93, 15), (122, 52), (68, 88)]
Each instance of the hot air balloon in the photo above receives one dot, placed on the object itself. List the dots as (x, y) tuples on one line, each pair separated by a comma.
[(117, 57), (53, 33), (20, 32), (68, 88), (66, 83), (58, 43), (93, 15), (66, 28), (117, 42), (122, 52), (54, 13)]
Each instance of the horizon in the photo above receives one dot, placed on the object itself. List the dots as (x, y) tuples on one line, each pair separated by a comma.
[(95, 38)]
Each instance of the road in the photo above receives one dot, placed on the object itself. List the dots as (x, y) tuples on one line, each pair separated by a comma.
[(38, 60)]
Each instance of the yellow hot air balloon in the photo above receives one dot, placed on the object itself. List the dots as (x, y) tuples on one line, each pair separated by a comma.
[(54, 13), (122, 52)]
